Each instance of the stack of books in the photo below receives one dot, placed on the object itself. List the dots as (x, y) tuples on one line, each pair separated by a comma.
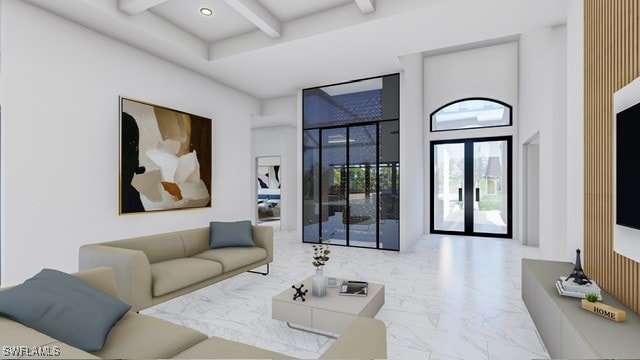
[(354, 288), (570, 288)]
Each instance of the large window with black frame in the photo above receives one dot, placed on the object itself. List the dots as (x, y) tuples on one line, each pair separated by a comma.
[(351, 163)]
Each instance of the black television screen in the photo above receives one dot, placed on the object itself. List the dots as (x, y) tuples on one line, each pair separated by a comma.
[(628, 167)]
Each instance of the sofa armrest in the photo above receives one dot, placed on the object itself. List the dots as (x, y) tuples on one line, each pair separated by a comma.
[(101, 278), (263, 237), (131, 268), (365, 338)]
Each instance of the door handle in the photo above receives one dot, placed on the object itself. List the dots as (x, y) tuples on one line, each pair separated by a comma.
[(478, 194), (459, 194)]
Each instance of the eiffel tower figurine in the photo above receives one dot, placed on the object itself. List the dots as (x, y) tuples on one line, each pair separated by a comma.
[(578, 274)]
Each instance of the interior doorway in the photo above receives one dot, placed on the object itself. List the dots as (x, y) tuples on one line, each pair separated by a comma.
[(269, 191), (531, 197)]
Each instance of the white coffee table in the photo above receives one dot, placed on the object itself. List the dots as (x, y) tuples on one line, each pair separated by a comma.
[(332, 312)]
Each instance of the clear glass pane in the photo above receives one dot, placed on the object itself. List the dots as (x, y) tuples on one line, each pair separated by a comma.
[(311, 185), (355, 102), (389, 175), (469, 114), (490, 187), (334, 190), (363, 199), (448, 207)]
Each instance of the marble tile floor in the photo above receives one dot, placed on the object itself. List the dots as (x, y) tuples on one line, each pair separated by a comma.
[(447, 297)]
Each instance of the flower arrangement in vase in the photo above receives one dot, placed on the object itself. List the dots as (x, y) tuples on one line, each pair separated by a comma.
[(320, 255), (320, 258)]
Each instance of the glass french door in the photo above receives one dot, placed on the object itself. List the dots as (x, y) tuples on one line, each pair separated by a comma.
[(351, 185), (471, 191)]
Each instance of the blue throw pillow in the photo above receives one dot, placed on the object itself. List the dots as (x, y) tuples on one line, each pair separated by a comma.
[(226, 234), (64, 307)]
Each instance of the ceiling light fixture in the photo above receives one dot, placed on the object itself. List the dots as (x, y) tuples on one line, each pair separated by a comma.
[(206, 11)]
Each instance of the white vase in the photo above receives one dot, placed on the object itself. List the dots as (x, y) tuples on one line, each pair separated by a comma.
[(318, 287)]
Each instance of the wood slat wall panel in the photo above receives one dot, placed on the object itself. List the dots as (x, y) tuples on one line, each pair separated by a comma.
[(612, 59)]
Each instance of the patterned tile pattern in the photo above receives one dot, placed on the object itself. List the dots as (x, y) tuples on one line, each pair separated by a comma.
[(446, 298)]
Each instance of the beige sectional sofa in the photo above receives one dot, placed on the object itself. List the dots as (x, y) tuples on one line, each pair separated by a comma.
[(137, 336), (156, 268)]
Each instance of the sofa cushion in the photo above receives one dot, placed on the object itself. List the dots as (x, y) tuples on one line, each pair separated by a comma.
[(158, 247), (233, 258), (64, 307), (138, 336), (171, 275), (226, 234), (216, 348), (14, 335), (195, 240)]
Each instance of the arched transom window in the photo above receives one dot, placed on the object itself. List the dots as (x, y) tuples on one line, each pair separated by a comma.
[(471, 113)]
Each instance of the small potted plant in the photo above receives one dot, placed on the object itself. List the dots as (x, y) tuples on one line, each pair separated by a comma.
[(591, 297)]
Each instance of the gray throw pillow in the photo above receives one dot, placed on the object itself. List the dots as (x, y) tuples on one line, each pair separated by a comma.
[(227, 234), (64, 307)]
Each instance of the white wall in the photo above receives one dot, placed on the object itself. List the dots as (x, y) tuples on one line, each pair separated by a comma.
[(277, 112), (531, 195), (575, 127), (412, 184), (543, 110), (491, 72), (2, 156), (60, 135)]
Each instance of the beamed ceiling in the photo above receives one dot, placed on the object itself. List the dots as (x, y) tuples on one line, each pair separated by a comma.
[(271, 48)]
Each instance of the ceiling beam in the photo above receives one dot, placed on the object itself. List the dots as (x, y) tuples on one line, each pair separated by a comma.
[(133, 7), (258, 15), (366, 6)]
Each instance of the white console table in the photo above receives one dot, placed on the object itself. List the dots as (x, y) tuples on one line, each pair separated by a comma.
[(568, 332)]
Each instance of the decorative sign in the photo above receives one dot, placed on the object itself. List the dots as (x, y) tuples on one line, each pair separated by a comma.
[(604, 310)]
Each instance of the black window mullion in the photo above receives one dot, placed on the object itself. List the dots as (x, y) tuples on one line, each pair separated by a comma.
[(377, 185), (469, 186), (320, 131), (347, 200)]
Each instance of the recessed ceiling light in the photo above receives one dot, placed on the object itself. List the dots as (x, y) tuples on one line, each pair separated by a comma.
[(206, 11)]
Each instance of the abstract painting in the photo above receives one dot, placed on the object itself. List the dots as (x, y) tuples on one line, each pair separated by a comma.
[(268, 192), (165, 158)]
